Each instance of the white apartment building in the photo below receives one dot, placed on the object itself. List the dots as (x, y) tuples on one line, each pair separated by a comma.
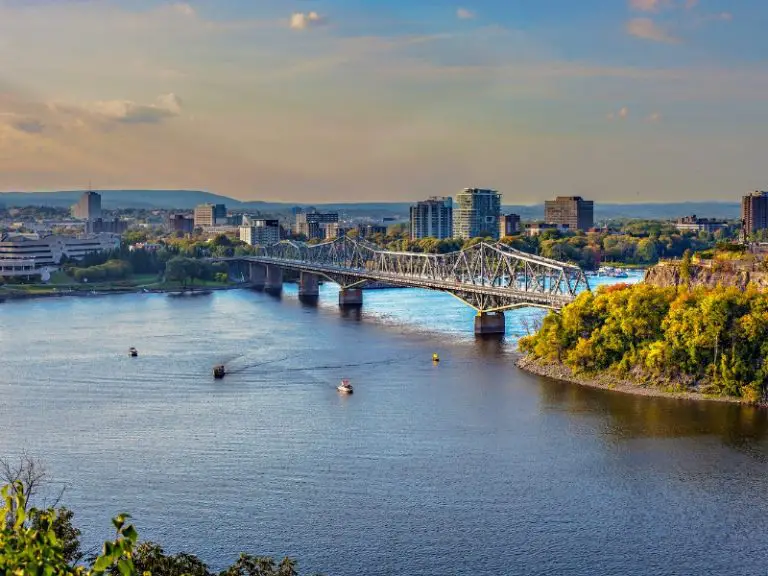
[(259, 232)]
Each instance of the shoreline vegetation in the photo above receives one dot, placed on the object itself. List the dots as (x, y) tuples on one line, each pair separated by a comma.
[(603, 381), (703, 343)]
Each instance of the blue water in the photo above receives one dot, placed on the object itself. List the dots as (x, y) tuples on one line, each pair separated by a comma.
[(467, 467)]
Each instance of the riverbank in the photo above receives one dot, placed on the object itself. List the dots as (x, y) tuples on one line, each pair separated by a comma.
[(559, 371), (83, 292)]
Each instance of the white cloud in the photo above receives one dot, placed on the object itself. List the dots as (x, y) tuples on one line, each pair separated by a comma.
[(623, 112), (647, 29), (464, 14), (653, 117), (128, 112), (304, 20)]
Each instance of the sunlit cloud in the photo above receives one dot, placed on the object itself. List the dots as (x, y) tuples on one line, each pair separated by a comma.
[(304, 20), (464, 14), (647, 29), (128, 112), (653, 117)]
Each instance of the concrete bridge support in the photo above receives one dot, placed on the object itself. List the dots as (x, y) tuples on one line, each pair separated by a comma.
[(350, 297), (274, 284), (490, 323), (257, 273), (309, 287)]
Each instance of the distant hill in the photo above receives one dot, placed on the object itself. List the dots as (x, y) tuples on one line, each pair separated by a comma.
[(188, 199), (111, 199)]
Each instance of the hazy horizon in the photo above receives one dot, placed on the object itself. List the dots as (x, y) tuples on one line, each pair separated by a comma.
[(357, 101)]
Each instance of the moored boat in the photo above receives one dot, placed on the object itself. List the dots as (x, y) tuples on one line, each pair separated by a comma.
[(132, 352)]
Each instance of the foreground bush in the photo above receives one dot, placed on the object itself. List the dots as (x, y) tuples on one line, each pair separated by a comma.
[(44, 543)]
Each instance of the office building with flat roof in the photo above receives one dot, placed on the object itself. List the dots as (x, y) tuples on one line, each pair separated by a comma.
[(88, 207), (259, 232), (754, 212), (571, 211), (207, 215), (509, 225), (477, 213), (432, 218), (313, 225)]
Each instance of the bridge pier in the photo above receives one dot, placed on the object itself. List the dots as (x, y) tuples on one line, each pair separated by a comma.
[(257, 273), (309, 287), (350, 297), (490, 323), (274, 284)]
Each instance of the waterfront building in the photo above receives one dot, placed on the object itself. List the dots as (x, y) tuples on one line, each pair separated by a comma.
[(207, 215), (49, 250), (16, 268), (695, 224), (181, 223), (509, 225), (313, 225), (109, 226), (88, 207), (260, 232), (571, 211), (536, 228), (477, 213), (432, 218), (754, 212)]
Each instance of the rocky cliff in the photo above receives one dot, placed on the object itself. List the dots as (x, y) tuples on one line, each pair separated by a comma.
[(709, 274)]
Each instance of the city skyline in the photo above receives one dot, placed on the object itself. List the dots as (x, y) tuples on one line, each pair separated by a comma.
[(624, 101)]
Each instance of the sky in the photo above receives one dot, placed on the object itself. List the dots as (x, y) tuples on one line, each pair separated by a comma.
[(386, 100)]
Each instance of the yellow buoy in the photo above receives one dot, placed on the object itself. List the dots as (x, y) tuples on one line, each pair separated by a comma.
[(435, 358)]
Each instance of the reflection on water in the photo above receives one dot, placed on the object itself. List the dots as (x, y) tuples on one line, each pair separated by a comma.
[(461, 467), (629, 416)]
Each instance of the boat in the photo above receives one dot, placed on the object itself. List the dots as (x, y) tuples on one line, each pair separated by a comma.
[(435, 358), (219, 371), (345, 387), (132, 352)]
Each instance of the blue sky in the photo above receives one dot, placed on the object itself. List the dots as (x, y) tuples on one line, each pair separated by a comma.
[(321, 100)]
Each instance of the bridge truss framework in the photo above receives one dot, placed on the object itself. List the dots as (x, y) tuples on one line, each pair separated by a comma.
[(487, 277)]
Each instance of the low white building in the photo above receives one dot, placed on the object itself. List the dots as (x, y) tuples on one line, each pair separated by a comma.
[(259, 232), (49, 250)]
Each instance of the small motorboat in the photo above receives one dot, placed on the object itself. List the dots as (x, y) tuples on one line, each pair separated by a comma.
[(345, 387), (132, 352), (219, 371), (435, 358)]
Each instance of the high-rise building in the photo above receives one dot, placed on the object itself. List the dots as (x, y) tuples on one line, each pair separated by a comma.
[(571, 211), (313, 224), (754, 212), (88, 207), (509, 225), (261, 232), (477, 213), (210, 215), (432, 218), (181, 223)]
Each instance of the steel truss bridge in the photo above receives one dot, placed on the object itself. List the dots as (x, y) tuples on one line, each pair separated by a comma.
[(488, 277)]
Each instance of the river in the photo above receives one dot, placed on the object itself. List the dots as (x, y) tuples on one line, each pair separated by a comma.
[(463, 468)]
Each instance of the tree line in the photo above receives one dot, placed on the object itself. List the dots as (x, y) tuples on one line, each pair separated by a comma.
[(712, 340)]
